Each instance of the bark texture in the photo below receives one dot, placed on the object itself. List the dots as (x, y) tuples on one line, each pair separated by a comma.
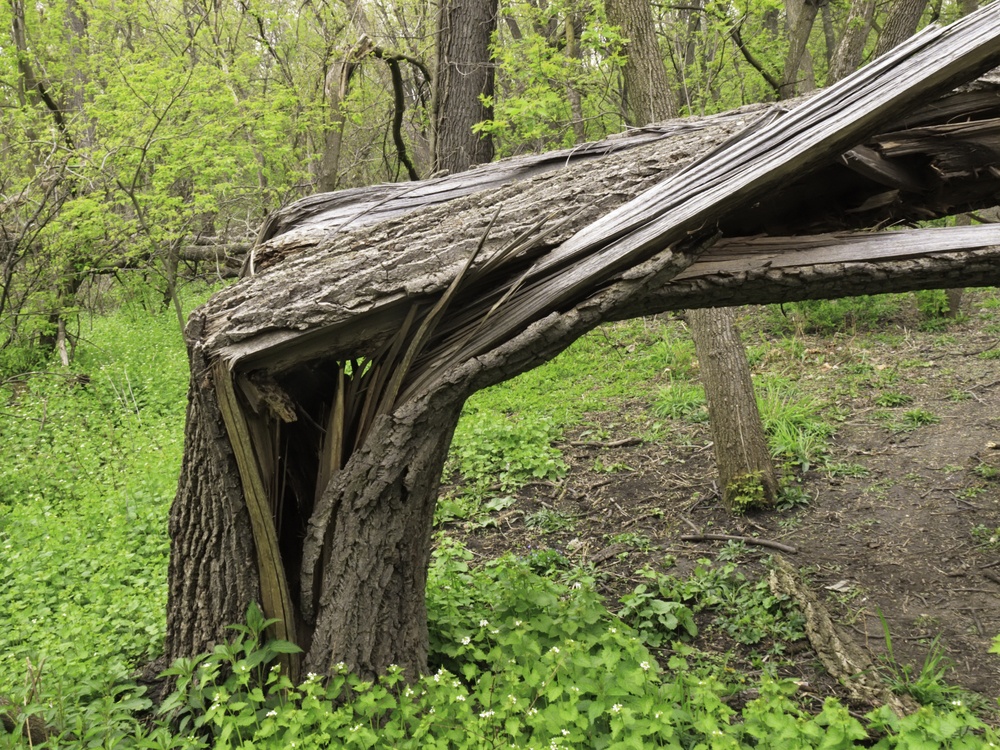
[(213, 567), (464, 74), (647, 90), (900, 24), (849, 52), (747, 478)]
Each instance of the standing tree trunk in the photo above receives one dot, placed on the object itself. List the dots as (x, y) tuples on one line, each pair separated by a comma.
[(800, 16), (747, 478), (731, 403), (849, 52), (464, 78), (647, 89), (900, 24)]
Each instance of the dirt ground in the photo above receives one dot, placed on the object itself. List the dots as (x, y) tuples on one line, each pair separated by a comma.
[(907, 526)]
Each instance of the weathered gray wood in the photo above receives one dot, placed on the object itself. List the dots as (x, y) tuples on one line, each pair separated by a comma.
[(762, 270)]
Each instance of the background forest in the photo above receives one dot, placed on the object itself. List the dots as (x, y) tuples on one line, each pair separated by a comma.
[(141, 146)]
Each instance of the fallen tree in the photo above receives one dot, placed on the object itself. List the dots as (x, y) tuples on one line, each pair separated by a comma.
[(326, 385)]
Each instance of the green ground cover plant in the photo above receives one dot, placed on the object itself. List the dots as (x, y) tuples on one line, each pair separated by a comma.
[(525, 652)]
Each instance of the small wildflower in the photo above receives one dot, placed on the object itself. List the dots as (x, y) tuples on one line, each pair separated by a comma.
[(356, 728), (495, 631), (518, 623), (532, 711), (577, 585), (555, 649), (957, 703), (466, 641), (644, 666), (485, 714), (565, 733), (272, 713), (312, 675), (409, 692), (455, 683), (484, 623), (460, 698), (658, 714), (432, 710), (617, 708), (612, 630)]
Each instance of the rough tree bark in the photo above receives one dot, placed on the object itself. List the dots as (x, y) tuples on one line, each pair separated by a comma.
[(339, 368), (847, 58), (900, 24), (464, 73), (800, 16), (647, 88), (747, 478)]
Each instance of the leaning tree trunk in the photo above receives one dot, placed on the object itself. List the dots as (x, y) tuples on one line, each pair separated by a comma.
[(325, 387), (747, 478)]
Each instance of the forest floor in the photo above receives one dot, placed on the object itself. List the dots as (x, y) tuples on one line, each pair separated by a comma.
[(899, 520)]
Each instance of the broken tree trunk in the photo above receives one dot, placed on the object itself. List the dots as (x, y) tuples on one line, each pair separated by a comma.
[(325, 388)]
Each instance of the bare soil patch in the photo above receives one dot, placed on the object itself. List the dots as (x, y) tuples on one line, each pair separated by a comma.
[(902, 519)]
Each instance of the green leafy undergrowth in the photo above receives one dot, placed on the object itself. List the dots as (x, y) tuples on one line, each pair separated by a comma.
[(663, 609), (91, 457), (524, 654)]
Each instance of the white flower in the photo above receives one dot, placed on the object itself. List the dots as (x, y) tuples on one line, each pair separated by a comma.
[(272, 713), (617, 707), (658, 714), (460, 698), (957, 703), (578, 585), (555, 649), (466, 641), (644, 666), (612, 630), (484, 623), (495, 631), (312, 675), (356, 727), (518, 623), (532, 711), (565, 733), (485, 714)]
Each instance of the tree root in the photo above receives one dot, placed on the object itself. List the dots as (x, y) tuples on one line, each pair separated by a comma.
[(840, 655)]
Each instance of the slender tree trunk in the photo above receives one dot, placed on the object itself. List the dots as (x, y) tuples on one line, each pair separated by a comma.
[(337, 86), (800, 17), (849, 52), (464, 78), (747, 478), (574, 26), (732, 405)]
